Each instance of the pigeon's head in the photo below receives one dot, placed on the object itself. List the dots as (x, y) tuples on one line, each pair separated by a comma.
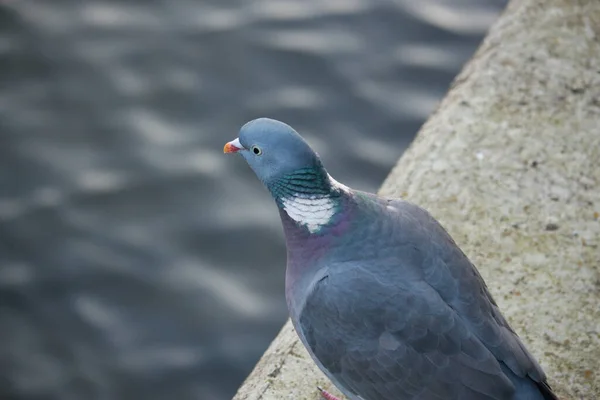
[(273, 149)]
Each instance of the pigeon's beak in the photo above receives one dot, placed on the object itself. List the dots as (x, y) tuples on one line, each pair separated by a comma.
[(233, 146)]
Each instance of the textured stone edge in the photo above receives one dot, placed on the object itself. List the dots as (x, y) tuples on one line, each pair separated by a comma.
[(510, 164)]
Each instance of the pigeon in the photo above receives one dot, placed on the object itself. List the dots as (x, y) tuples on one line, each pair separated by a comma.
[(383, 299)]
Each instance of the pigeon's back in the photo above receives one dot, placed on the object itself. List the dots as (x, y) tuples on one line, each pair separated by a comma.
[(398, 312)]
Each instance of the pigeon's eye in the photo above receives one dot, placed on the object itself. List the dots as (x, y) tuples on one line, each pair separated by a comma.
[(256, 150)]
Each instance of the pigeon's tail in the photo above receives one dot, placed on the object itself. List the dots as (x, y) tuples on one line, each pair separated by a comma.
[(529, 389), (546, 391)]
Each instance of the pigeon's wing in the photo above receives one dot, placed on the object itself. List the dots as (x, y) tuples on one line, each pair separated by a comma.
[(409, 317), (396, 343), (456, 280)]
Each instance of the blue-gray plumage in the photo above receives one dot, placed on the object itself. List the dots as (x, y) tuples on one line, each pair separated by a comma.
[(386, 303)]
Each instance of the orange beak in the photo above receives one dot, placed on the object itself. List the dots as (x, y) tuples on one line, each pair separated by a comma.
[(233, 146)]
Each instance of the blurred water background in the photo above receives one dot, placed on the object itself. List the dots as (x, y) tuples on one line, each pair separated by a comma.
[(136, 260)]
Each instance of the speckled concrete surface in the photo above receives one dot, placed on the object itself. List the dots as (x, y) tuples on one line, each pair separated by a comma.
[(510, 164)]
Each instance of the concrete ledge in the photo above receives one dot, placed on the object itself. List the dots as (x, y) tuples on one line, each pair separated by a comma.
[(510, 164)]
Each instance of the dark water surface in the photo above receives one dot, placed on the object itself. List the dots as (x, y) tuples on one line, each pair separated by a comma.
[(136, 260)]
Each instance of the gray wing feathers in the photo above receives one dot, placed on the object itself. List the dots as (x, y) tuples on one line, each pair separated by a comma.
[(424, 352), (459, 283)]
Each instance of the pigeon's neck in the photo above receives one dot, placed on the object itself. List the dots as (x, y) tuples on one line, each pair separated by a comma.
[(315, 210), (309, 198)]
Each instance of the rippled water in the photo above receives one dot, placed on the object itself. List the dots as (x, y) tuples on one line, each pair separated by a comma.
[(136, 260)]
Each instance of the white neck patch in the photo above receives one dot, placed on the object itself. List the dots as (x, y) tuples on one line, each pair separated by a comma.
[(312, 211)]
